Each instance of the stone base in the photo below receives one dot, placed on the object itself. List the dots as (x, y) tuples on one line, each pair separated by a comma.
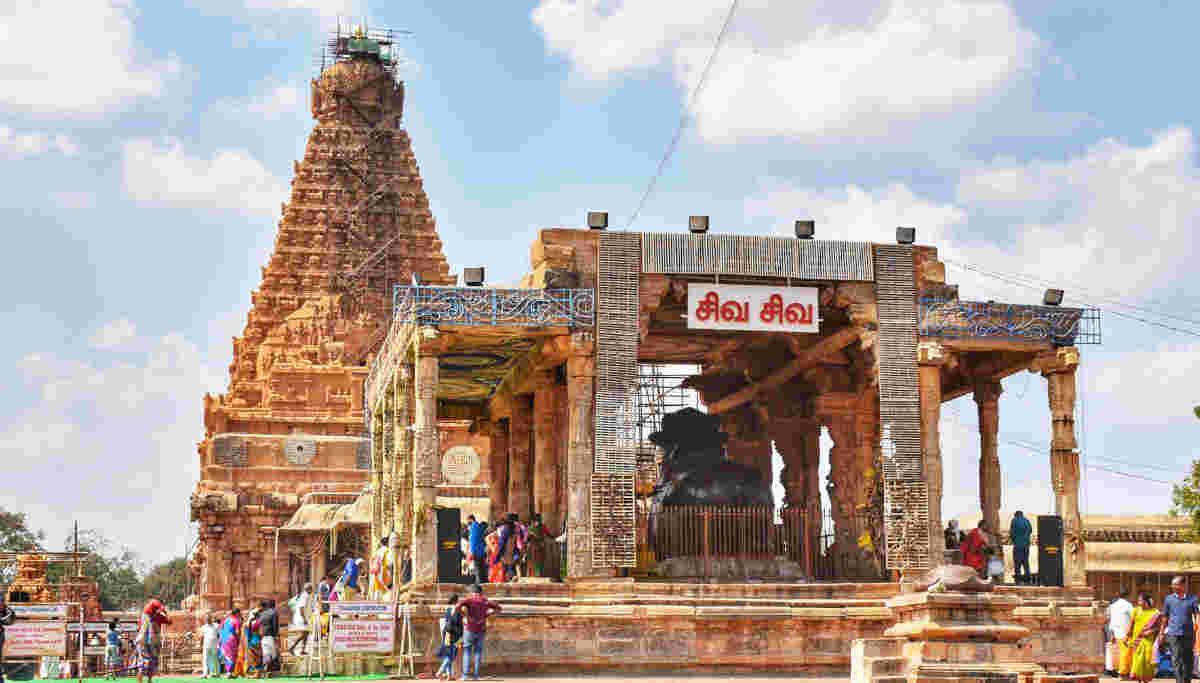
[(732, 569)]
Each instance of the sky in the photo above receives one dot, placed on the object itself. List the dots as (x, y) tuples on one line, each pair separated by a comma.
[(146, 148)]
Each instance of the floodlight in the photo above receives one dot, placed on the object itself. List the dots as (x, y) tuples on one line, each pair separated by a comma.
[(1052, 297), (698, 224), (597, 220), (473, 277), (906, 235), (806, 229)]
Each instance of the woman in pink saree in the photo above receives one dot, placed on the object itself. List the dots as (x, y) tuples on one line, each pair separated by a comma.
[(231, 634)]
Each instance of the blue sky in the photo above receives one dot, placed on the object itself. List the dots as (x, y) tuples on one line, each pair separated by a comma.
[(146, 156)]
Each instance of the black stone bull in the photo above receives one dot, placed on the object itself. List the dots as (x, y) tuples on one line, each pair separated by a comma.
[(694, 470)]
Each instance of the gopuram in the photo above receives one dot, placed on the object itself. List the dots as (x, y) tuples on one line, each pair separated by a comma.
[(289, 429), (787, 337)]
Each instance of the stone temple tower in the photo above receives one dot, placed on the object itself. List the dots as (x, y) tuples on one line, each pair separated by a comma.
[(357, 223)]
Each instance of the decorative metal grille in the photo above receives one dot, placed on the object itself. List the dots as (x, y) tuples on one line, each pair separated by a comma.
[(1061, 326), (479, 306), (613, 523), (616, 352), (759, 256), (300, 451), (905, 492), (230, 451)]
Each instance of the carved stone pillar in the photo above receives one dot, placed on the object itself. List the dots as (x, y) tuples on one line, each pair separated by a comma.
[(837, 412), (545, 449), (930, 358), (798, 441), (581, 452), (402, 484), (520, 477), (987, 398), (425, 463), (498, 471), (1058, 367)]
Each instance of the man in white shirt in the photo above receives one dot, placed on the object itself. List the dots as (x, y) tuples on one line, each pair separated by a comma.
[(211, 641), (299, 604), (1120, 619)]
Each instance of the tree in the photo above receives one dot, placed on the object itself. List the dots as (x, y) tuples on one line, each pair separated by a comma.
[(118, 571), (169, 582), (1185, 500), (15, 534)]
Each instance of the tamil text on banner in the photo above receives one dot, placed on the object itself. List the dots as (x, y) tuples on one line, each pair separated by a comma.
[(362, 635), (39, 611), (102, 627), (35, 639), (360, 608), (746, 307)]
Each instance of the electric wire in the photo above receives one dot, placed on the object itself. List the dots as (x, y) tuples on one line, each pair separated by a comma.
[(1088, 300), (684, 116), (1039, 451)]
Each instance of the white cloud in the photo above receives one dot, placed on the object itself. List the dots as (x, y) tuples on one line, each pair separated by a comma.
[(80, 61), (93, 430), (164, 174), (16, 146), (115, 335), (1162, 384), (801, 70), (278, 100), (319, 8)]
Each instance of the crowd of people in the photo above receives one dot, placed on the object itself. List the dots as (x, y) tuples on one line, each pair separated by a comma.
[(508, 549), (1144, 642), (242, 644), (981, 548)]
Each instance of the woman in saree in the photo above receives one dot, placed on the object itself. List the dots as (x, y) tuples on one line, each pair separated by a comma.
[(495, 569), (1142, 637), (149, 639), (251, 660), (231, 630)]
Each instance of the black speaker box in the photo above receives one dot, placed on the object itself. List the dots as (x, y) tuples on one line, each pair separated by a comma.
[(449, 549), (1050, 550)]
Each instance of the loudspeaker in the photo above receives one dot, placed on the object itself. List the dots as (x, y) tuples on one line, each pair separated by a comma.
[(1050, 550), (449, 549)]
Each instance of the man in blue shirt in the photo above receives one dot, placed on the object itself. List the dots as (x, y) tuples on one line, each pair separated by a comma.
[(1179, 608), (1020, 531), (476, 531)]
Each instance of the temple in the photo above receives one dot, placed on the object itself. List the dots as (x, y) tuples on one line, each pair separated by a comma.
[(290, 425), (370, 397)]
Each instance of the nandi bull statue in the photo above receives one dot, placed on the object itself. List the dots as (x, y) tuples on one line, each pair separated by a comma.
[(695, 472), (694, 469)]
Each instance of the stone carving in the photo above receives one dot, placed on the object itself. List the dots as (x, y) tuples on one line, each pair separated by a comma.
[(694, 470)]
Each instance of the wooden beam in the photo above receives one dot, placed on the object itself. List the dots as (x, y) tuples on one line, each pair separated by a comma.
[(806, 359)]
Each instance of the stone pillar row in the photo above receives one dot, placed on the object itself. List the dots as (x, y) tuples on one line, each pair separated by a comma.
[(1058, 367), (581, 452), (930, 359), (425, 463), (520, 475), (987, 398)]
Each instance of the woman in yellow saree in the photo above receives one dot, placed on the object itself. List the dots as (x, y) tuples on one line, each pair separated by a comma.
[(1142, 637)]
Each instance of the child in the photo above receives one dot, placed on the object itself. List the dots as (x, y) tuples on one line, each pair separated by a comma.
[(210, 640), (112, 650), (452, 631)]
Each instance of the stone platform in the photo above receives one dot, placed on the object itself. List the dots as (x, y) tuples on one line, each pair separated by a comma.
[(615, 625)]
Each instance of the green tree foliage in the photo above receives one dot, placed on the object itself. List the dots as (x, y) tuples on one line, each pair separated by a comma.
[(117, 570), (15, 534), (1185, 500), (169, 582)]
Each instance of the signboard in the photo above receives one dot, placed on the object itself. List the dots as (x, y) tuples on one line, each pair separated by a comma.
[(460, 465), (362, 635), (747, 307), (27, 611), (35, 639), (102, 627), (352, 608)]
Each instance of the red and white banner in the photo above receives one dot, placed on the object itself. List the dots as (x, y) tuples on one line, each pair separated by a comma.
[(752, 307), (36, 639), (362, 635)]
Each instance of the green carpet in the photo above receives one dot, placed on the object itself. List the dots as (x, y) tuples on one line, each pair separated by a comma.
[(195, 678)]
